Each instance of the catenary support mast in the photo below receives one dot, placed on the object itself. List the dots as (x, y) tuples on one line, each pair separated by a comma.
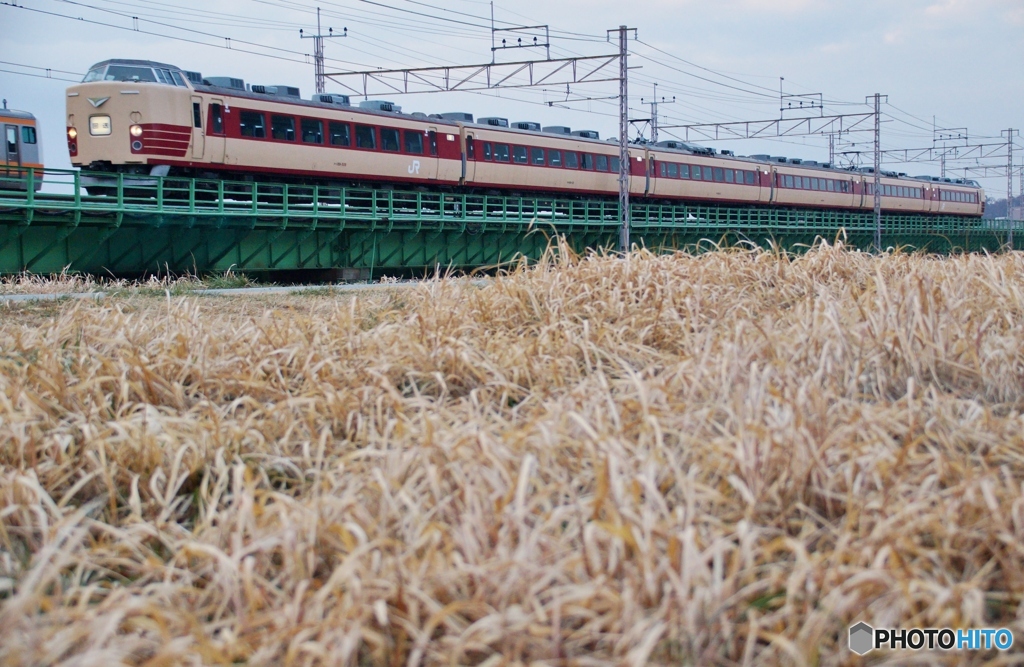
[(878, 171), (318, 51), (624, 166)]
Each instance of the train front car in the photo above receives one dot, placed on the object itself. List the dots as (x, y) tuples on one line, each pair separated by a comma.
[(23, 151), (130, 116)]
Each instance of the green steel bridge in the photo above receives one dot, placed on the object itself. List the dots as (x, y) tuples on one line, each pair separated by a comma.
[(152, 224)]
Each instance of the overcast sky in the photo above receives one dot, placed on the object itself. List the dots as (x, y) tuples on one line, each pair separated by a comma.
[(957, 61)]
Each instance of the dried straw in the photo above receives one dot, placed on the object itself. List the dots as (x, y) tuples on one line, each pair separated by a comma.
[(717, 459)]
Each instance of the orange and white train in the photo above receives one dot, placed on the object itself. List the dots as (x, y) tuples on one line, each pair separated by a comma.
[(147, 118), (23, 149)]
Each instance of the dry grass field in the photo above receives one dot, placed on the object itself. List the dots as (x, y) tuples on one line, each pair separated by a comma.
[(723, 459)]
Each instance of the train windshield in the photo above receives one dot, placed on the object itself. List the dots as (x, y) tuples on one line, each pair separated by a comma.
[(135, 74)]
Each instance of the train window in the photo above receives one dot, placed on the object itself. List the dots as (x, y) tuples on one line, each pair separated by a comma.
[(729, 177), (366, 137), (389, 139), (789, 181), (28, 135), (487, 150), (749, 177), (470, 148), (719, 175), (684, 171), (178, 80), (339, 134), (432, 137), (537, 156), (571, 160), (673, 170), (587, 160), (312, 131), (414, 142), (12, 139), (555, 158), (601, 162), (251, 124), (696, 173), (519, 154), (614, 165), (662, 169), (95, 74), (217, 119), (282, 127), (707, 173), (501, 152), (197, 115)]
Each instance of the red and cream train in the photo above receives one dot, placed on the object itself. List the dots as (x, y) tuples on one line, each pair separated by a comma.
[(142, 117)]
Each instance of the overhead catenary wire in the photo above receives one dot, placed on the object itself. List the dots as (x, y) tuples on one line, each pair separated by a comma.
[(465, 25)]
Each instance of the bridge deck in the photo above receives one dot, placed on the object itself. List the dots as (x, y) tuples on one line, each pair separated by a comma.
[(145, 224)]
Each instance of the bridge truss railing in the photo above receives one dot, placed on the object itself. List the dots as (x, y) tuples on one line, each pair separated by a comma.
[(129, 223)]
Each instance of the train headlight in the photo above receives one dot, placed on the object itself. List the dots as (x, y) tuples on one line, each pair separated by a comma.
[(136, 130), (72, 133)]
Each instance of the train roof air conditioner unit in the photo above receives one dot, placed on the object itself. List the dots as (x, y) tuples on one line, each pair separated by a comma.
[(558, 129), (456, 116), (493, 120), (286, 91), (331, 98), (527, 125), (226, 82), (195, 77), (380, 105), (586, 134)]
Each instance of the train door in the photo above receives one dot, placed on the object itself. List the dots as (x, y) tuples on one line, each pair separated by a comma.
[(431, 160), (467, 148), (12, 153), (215, 135), (198, 140)]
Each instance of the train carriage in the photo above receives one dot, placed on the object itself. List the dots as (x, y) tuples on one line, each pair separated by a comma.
[(23, 150), (145, 118)]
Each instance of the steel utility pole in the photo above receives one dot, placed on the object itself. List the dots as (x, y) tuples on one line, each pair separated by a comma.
[(318, 50), (1009, 184), (654, 112), (624, 165), (878, 170)]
